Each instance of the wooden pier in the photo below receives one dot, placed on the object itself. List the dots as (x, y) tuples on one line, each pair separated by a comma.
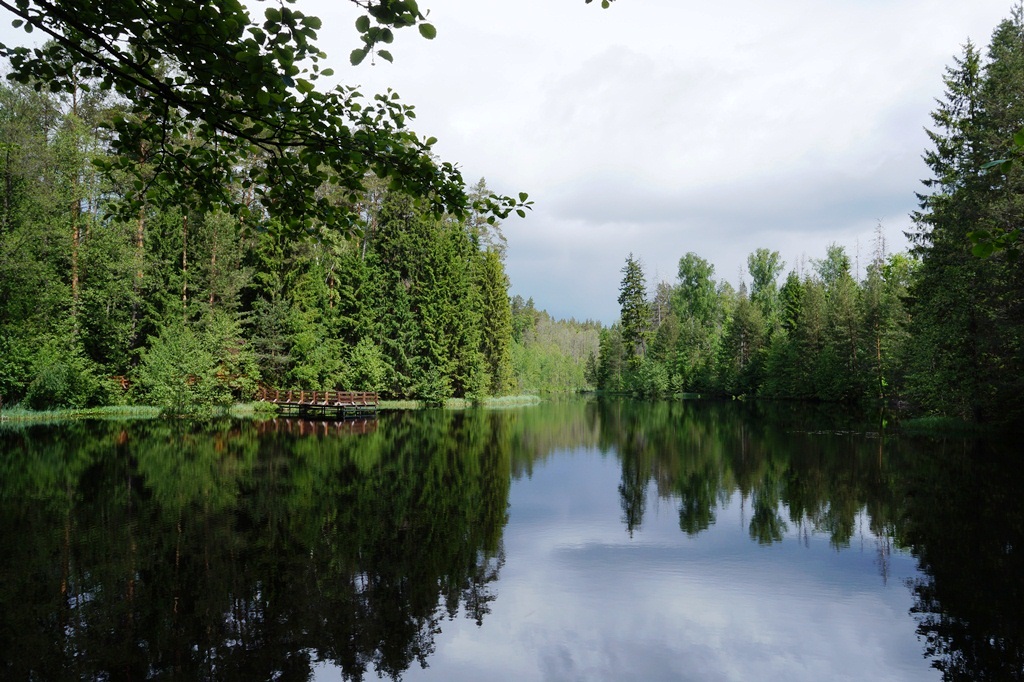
[(323, 404)]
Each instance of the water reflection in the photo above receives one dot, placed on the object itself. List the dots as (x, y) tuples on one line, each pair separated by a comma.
[(226, 551), (164, 551), (954, 504), (964, 521), (791, 472)]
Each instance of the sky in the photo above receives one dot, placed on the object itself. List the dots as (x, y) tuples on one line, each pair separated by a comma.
[(660, 127)]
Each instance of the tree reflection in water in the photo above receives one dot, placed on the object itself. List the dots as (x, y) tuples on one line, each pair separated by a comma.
[(235, 552), (955, 505), (163, 550), (964, 522)]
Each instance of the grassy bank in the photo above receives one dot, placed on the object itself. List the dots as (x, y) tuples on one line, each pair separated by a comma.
[(463, 403), (940, 426), (18, 414), (254, 410)]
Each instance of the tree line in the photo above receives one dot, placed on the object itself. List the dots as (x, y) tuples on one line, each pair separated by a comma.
[(820, 336), (184, 304), (939, 327)]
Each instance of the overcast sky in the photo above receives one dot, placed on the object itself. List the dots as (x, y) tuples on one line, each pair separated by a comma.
[(660, 127)]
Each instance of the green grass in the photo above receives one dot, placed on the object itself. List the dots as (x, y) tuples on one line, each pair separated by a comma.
[(463, 403), (254, 410), (938, 425), (17, 413)]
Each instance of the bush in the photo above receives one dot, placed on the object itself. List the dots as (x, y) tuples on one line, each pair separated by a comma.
[(436, 388), (63, 378), (367, 368), (650, 379), (177, 372)]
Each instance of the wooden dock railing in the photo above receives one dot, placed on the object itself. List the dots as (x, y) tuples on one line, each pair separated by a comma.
[(322, 402)]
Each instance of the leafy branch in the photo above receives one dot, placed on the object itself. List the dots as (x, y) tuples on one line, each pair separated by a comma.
[(225, 102)]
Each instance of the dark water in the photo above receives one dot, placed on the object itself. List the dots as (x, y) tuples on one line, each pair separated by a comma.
[(570, 541)]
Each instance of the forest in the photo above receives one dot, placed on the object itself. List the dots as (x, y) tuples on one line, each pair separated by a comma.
[(186, 214), (937, 329), (184, 307)]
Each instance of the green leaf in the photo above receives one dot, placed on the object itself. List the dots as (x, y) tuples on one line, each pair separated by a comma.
[(521, 212), (523, 196), (431, 141), (983, 249), (357, 56), (385, 55), (1018, 138), (428, 31), (304, 86), (363, 24)]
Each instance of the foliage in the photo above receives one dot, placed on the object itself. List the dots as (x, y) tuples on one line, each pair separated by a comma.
[(635, 315), (549, 355), (63, 377), (938, 328), (194, 307), (965, 321), (209, 89), (177, 372), (818, 338)]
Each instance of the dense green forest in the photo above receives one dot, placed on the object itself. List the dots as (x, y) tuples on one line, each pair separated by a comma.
[(194, 306), (939, 328), (186, 213)]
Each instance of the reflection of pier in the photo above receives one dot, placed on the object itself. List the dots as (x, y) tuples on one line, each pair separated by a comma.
[(338, 404), (319, 427)]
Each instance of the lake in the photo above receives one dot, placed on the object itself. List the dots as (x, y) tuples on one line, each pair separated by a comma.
[(572, 540)]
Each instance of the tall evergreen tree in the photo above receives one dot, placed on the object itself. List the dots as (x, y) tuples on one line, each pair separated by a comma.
[(966, 311), (496, 315), (635, 311)]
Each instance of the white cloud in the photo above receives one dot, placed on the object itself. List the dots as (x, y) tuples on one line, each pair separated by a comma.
[(661, 127)]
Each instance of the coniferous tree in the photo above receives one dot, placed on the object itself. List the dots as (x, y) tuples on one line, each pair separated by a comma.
[(495, 311), (966, 352), (635, 312)]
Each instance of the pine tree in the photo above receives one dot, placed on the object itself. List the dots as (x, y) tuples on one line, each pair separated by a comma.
[(496, 318), (635, 312), (966, 311)]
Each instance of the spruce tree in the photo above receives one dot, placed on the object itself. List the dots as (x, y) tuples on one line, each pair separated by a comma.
[(635, 312), (966, 319)]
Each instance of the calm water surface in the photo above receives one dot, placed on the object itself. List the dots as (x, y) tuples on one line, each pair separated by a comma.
[(570, 541)]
